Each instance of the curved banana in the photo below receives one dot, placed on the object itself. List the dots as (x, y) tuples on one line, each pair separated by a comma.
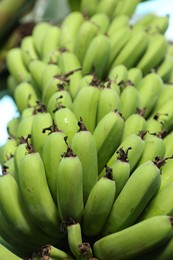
[(165, 69), (8, 149), (136, 239), (128, 7), (117, 22), (107, 7), (28, 50), (97, 208), (7, 254), (119, 75), (84, 138), (165, 94), (51, 70), (52, 252), (70, 187), (89, 7), (108, 135), (101, 20), (134, 76), (127, 207)]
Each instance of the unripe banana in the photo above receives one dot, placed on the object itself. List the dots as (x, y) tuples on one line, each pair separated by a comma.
[(53, 148), (108, 134), (154, 125), (87, 99), (28, 50), (70, 187), (8, 166), (52, 252), (165, 94), (119, 74), (101, 20), (25, 96), (165, 69), (139, 239), (130, 101), (8, 149), (68, 30), (40, 121), (49, 72), (121, 170), (12, 125), (66, 121), (134, 124), (166, 176), (97, 56), (130, 53), (11, 83), (134, 141), (25, 126), (36, 194), (159, 24), (107, 7), (89, 7), (87, 31), (134, 76), (108, 101), (149, 89), (144, 21), (127, 207), (154, 54), (16, 65), (84, 138), (7, 254), (97, 208), (129, 7)]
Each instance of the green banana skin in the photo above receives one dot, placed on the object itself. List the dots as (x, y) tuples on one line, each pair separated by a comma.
[(17, 70), (145, 20), (154, 147), (108, 101), (117, 22), (120, 171), (70, 196), (87, 99), (51, 157), (168, 143), (60, 98), (101, 20), (134, 124), (12, 125), (118, 41), (11, 84), (36, 194), (113, 85), (154, 125), (40, 121), (28, 50), (167, 176), (149, 89), (97, 208), (25, 126), (131, 96), (52, 252), (87, 31), (134, 76), (25, 96), (16, 215), (68, 30), (130, 53), (154, 54), (8, 254), (119, 75), (108, 134), (127, 208), (129, 7), (161, 204), (66, 121), (107, 7), (165, 95), (97, 56), (8, 166), (84, 138), (38, 33), (165, 69), (159, 24), (7, 149), (135, 238), (49, 72), (88, 8)]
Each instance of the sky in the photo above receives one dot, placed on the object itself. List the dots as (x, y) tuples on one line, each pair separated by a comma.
[(8, 109)]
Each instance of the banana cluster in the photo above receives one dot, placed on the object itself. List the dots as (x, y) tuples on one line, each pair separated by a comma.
[(88, 163)]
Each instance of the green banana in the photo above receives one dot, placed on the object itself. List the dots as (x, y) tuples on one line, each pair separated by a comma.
[(166, 176), (135, 238), (70, 187), (68, 30), (165, 69), (130, 53), (51, 70), (89, 7), (127, 207), (84, 138), (107, 7), (25, 126), (12, 125), (25, 96), (97, 208), (149, 88), (66, 121), (87, 99), (108, 101), (101, 20), (74, 5), (165, 94), (159, 24), (130, 101), (117, 22), (97, 56), (40, 121), (134, 124), (145, 20), (154, 54), (161, 204), (7, 254), (107, 134), (121, 170), (8, 149), (16, 66), (51, 157), (119, 74), (52, 252), (134, 141), (87, 31), (129, 7), (154, 124), (28, 50), (36, 195), (134, 76)]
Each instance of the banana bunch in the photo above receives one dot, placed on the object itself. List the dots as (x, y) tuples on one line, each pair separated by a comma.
[(88, 162)]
